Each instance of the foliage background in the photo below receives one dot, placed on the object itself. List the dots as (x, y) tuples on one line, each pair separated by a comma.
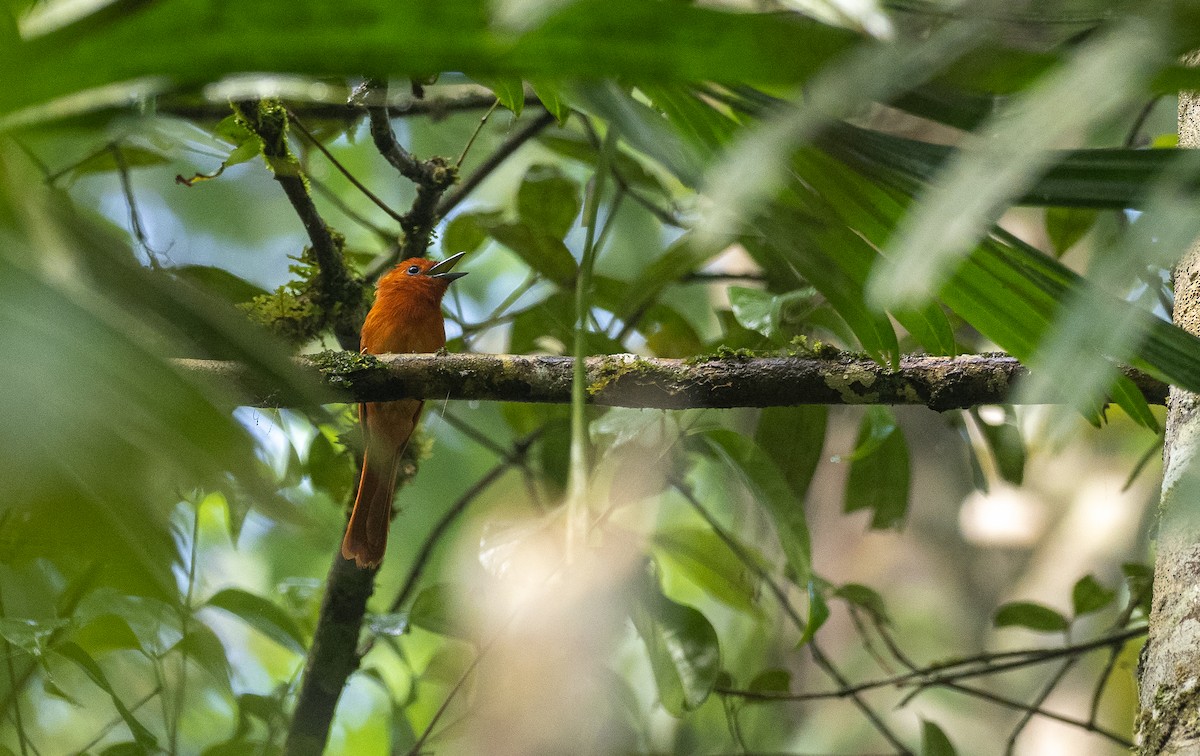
[(162, 546)]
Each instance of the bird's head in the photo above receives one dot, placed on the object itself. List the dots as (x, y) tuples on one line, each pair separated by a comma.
[(418, 276)]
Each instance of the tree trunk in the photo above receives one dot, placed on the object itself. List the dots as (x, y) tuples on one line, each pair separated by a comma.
[(1169, 670)]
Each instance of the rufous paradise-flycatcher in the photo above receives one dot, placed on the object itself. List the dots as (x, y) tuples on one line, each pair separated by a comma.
[(406, 318)]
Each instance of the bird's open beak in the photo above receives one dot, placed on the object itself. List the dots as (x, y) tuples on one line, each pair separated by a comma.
[(442, 269)]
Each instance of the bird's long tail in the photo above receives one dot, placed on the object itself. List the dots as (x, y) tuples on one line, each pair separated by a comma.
[(367, 533), (387, 428)]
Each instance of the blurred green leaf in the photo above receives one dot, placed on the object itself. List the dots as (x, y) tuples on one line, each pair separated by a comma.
[(771, 681), (683, 649), (106, 633), (879, 479), (1088, 596), (407, 37), (818, 612), (70, 651), (1107, 178), (29, 635), (1100, 78), (202, 646), (1129, 398), (547, 200), (509, 91), (467, 231), (263, 615), (793, 438), (106, 159), (934, 742), (434, 610), (1140, 580), (219, 281), (330, 469), (1006, 445), (1067, 225), (542, 251), (865, 598), (550, 95), (771, 490), (1030, 616), (642, 128), (703, 558), (754, 309)]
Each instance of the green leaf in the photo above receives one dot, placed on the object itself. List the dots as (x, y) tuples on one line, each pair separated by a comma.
[(105, 633), (465, 232), (642, 128), (682, 645), (878, 424), (128, 748), (818, 612), (548, 201), (586, 39), (1066, 225), (1031, 616), (1089, 596), (541, 251), (867, 599), (29, 635), (700, 555), (262, 615), (509, 91), (771, 489), (755, 309), (105, 159), (202, 646), (1140, 580), (434, 610), (879, 480), (770, 681), (960, 207), (551, 97), (330, 469), (219, 281), (1007, 447), (72, 652), (934, 742), (793, 438), (1087, 178), (1129, 398)]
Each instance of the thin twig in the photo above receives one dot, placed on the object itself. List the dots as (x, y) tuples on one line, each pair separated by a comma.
[(135, 220), (475, 134), (118, 720), (926, 676), (334, 199), (493, 161), (818, 655), (475, 435), (514, 457), (343, 169), (1010, 745), (1022, 706)]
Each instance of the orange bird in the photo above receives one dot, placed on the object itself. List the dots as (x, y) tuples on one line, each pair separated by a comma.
[(406, 318)]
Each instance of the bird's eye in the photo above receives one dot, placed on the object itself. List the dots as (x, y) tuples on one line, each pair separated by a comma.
[(413, 270)]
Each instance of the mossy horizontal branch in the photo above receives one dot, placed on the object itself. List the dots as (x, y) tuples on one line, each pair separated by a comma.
[(940, 383)]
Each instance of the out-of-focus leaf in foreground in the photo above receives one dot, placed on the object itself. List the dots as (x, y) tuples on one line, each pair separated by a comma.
[(101, 434)]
